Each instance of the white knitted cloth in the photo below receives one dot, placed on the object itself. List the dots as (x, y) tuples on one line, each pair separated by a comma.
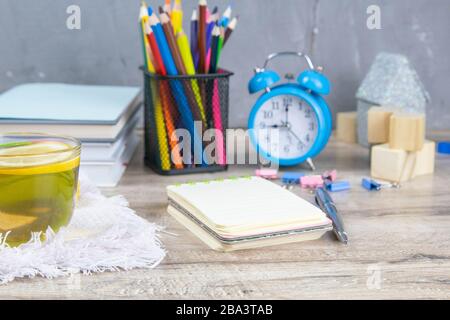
[(103, 235)]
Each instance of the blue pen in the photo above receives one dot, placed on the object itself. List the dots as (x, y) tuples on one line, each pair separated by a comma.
[(326, 203), (182, 102)]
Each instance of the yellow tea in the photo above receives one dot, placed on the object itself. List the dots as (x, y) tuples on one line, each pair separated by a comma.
[(38, 185)]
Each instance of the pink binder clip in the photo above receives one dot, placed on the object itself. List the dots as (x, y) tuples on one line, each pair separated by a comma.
[(311, 181), (270, 174), (330, 175)]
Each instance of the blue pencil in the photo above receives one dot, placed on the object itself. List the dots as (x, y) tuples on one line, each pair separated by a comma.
[(226, 18), (194, 32), (178, 92), (210, 26)]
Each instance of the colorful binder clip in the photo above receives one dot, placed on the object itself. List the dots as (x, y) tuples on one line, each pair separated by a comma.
[(311, 181), (337, 186), (372, 185), (330, 175), (270, 174), (291, 177), (444, 147)]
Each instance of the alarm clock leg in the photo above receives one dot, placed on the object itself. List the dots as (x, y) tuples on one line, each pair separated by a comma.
[(311, 164)]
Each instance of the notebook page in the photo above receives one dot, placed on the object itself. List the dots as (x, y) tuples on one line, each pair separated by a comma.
[(246, 202)]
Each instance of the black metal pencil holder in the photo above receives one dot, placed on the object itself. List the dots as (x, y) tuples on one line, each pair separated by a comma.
[(179, 113)]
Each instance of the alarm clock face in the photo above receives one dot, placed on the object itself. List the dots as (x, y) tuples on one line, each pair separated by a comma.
[(286, 127)]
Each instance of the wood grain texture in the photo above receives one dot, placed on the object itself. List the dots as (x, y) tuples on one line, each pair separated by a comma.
[(402, 232)]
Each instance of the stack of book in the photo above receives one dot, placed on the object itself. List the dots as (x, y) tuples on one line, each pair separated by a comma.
[(103, 118)]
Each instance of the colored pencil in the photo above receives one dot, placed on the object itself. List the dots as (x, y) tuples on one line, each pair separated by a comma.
[(214, 47), (202, 6), (166, 54), (143, 16), (177, 89), (171, 41), (226, 17), (183, 45), (167, 7), (164, 155), (220, 46), (218, 125), (167, 109), (161, 136), (212, 19), (158, 62), (168, 31), (229, 30), (211, 22), (177, 16), (162, 43), (194, 32), (214, 99)]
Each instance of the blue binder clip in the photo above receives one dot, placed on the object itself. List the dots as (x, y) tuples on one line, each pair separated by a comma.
[(291, 177), (444, 147), (370, 184), (337, 186)]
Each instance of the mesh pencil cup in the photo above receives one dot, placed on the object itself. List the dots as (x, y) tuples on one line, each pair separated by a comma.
[(186, 117)]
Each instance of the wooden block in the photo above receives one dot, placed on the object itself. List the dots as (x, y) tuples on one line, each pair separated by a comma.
[(346, 127), (378, 119), (425, 159), (407, 131), (387, 164), (398, 165)]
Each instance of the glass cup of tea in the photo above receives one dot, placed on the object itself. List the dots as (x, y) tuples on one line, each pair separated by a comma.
[(38, 184)]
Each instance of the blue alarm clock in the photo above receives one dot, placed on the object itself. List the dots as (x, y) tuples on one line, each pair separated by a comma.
[(290, 123)]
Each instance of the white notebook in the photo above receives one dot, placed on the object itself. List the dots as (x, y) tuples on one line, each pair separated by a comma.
[(244, 209)]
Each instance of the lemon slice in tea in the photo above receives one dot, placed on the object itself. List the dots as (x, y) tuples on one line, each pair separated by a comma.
[(37, 157), (14, 221)]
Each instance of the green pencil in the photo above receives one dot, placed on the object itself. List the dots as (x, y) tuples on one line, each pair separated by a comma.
[(219, 47)]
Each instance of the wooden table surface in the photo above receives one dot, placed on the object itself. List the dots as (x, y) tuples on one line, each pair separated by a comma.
[(399, 246)]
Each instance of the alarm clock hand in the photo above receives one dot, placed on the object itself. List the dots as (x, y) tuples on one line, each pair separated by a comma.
[(296, 137), (287, 115), (282, 125)]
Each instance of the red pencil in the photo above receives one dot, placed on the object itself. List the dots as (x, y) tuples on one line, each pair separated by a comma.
[(159, 64), (202, 7)]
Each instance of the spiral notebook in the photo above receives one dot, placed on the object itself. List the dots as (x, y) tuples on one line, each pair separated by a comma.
[(246, 212)]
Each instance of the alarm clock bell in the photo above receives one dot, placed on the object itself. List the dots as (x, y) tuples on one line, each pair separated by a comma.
[(262, 80), (311, 79)]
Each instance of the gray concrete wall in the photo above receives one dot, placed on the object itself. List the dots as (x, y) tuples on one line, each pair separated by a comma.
[(35, 44)]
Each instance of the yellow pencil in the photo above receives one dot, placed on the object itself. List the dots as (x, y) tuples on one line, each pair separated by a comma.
[(143, 17), (164, 155), (186, 55), (161, 133), (177, 16)]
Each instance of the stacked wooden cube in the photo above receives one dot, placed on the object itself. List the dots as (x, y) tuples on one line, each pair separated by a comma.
[(346, 127), (400, 151)]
